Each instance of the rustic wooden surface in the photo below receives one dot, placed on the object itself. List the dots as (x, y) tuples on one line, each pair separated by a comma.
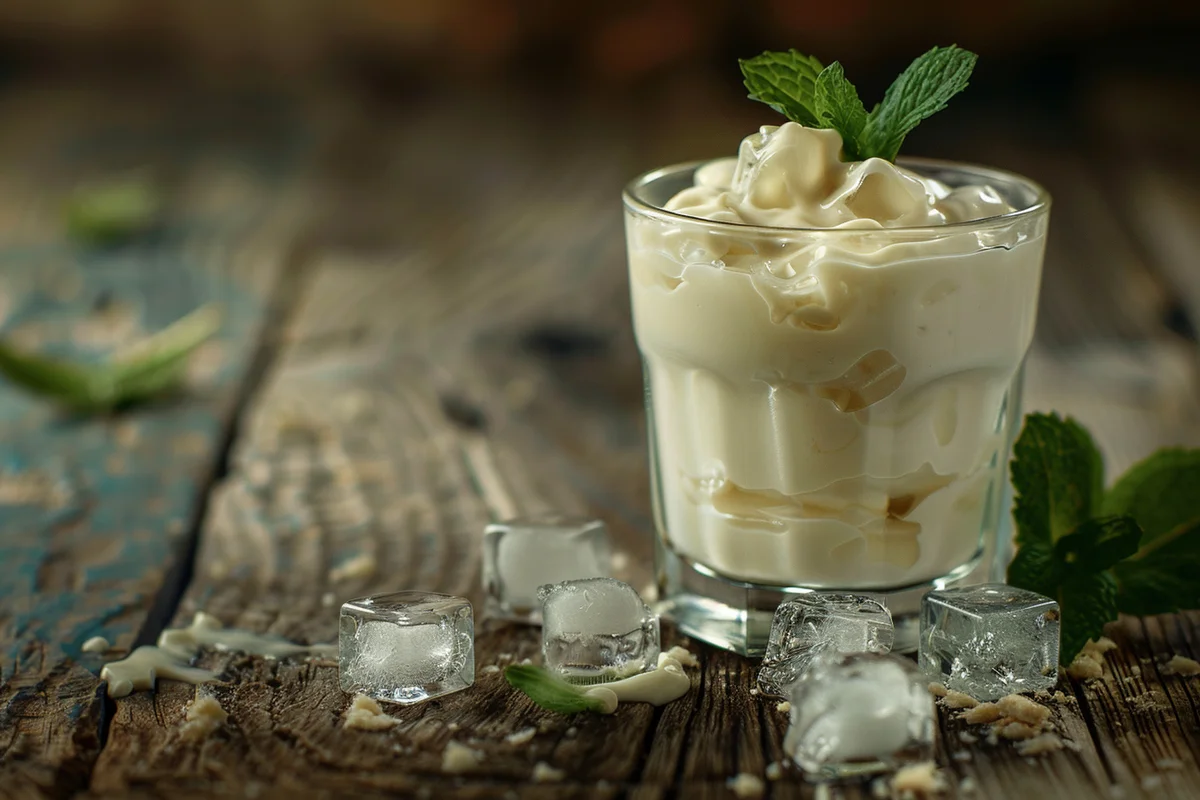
[(430, 330)]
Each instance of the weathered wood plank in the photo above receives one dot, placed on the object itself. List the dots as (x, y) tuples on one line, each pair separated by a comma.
[(96, 515)]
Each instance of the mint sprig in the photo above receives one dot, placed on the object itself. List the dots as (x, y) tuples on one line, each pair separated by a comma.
[(1134, 549), (551, 692), (149, 368), (804, 91)]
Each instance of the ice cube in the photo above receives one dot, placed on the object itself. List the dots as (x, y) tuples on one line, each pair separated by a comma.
[(858, 713), (819, 622), (597, 630), (990, 640), (522, 555), (406, 647)]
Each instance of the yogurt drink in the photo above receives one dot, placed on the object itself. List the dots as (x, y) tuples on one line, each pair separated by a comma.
[(832, 357)]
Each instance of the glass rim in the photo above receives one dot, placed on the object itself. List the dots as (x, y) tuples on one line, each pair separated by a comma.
[(1040, 204)]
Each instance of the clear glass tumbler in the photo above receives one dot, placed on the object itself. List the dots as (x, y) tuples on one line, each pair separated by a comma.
[(829, 409)]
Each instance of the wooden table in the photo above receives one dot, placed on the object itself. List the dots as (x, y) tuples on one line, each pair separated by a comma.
[(427, 328)]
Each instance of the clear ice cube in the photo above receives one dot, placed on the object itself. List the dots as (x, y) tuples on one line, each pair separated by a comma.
[(521, 555), (597, 630), (406, 647), (990, 640), (820, 622), (859, 713)]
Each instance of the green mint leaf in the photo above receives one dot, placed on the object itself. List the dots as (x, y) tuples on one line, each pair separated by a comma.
[(112, 211), (147, 369), (1088, 601), (838, 106), (1162, 493), (1098, 544), (921, 90), (784, 81), (549, 691), (1036, 568), (1057, 474)]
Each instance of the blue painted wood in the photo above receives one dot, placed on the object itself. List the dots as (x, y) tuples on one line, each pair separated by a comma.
[(95, 513)]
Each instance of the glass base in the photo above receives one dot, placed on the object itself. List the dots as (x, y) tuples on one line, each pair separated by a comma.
[(736, 615)]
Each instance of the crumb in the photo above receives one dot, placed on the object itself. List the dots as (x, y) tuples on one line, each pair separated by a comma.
[(505, 656), (1150, 701), (328, 599), (1043, 743), (1135, 670), (1059, 697), (570, 732), (1181, 665), (967, 785), (937, 689), (879, 789), (746, 786), (1072, 745), (966, 737), (992, 738), (522, 736), (365, 714), (962, 755), (1016, 730), (1169, 763), (953, 699), (453, 726), (754, 690), (774, 771), (783, 707), (457, 757), (204, 716), (361, 566), (1116, 792), (684, 656), (921, 778), (526, 662), (489, 669), (1152, 782), (1089, 664), (981, 714), (1101, 645), (96, 644), (544, 773), (1023, 709)]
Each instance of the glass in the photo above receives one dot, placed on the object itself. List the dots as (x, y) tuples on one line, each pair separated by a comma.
[(828, 409)]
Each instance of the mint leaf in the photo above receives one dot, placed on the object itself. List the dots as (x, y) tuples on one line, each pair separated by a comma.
[(921, 90), (784, 81), (1036, 568), (147, 369), (1088, 602), (1057, 474), (549, 691), (838, 106), (1162, 493), (1098, 544)]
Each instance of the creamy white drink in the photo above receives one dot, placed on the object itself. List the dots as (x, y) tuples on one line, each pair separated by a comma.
[(829, 350)]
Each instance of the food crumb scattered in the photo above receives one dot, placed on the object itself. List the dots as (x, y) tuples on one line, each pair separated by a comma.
[(361, 566), (544, 773), (774, 771), (754, 690), (1152, 782), (96, 644), (457, 757), (968, 785), (1181, 665), (783, 707), (1040, 744), (1169, 763), (1059, 697), (1135, 670), (571, 731), (328, 599), (1016, 730), (365, 714), (1023, 709), (966, 737), (1089, 664), (920, 779), (953, 699), (204, 716), (453, 726), (525, 662), (962, 755), (981, 714), (937, 689), (521, 737), (490, 668), (745, 785), (684, 656)]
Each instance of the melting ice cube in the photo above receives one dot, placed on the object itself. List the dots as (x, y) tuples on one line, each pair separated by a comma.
[(597, 630), (990, 640), (406, 647), (523, 554), (820, 622)]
